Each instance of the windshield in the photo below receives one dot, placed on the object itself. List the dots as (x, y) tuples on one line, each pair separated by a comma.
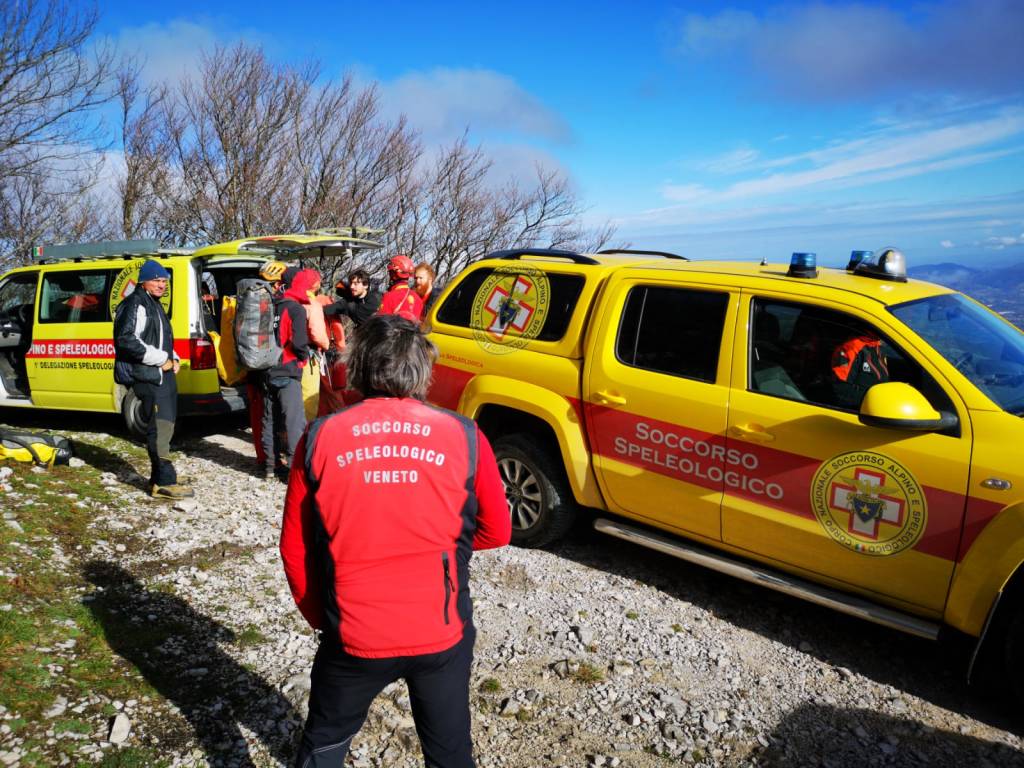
[(981, 345)]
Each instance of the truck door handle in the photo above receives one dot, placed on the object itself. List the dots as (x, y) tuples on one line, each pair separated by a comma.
[(609, 398), (755, 433)]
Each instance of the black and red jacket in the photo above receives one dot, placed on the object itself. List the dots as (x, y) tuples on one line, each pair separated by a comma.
[(290, 325), (386, 502)]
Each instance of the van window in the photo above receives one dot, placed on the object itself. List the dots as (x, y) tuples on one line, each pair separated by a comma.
[(76, 297), (18, 295), (560, 302), (672, 330)]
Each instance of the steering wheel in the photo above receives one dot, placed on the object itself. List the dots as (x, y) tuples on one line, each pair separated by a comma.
[(962, 360)]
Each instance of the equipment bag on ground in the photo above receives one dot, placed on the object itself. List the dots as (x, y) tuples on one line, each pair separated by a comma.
[(40, 448), (256, 344)]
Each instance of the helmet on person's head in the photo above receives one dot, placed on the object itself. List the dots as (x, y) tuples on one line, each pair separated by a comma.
[(400, 267), (273, 271)]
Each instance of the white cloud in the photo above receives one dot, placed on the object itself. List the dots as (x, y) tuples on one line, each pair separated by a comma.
[(169, 52), (947, 244), (444, 102), (731, 162), (893, 153), (707, 34), (683, 193)]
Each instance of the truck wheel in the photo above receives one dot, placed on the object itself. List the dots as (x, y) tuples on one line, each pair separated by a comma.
[(539, 499), (131, 410)]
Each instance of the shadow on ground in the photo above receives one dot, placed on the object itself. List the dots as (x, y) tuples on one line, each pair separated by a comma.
[(176, 649), (835, 738), (933, 671)]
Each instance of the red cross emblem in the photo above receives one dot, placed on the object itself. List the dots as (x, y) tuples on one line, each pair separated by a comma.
[(867, 502), (509, 310)]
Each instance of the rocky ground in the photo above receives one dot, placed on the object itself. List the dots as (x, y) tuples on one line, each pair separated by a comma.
[(589, 653)]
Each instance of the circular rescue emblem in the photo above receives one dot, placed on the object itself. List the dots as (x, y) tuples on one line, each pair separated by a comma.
[(125, 283), (509, 309), (869, 503)]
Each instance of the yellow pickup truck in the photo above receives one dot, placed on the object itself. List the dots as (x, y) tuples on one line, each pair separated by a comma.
[(846, 435)]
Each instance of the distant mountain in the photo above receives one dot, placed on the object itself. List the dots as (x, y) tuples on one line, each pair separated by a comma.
[(1001, 289), (953, 275)]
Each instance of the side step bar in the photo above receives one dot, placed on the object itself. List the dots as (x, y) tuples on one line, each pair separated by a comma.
[(790, 585)]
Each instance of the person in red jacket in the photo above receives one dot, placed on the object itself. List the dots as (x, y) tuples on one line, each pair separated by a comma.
[(388, 498), (400, 299)]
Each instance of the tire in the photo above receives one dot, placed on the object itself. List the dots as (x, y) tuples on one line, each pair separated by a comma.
[(131, 410), (539, 499)]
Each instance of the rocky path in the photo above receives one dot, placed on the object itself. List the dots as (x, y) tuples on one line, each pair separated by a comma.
[(590, 653)]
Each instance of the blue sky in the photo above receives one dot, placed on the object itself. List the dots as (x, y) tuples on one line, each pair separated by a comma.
[(740, 130)]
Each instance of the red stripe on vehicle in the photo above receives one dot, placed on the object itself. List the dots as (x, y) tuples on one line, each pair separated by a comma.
[(62, 348), (746, 471), (448, 385), (980, 513)]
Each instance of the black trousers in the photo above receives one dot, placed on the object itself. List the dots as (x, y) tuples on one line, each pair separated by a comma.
[(344, 686), (282, 406), (160, 410)]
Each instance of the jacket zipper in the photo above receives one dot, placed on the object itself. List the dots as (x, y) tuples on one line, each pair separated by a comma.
[(448, 586)]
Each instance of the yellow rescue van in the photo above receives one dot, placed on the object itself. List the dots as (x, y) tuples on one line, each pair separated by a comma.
[(56, 317)]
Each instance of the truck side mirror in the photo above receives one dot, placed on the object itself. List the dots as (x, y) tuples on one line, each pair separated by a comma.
[(895, 405)]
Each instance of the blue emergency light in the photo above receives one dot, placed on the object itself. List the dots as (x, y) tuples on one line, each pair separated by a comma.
[(803, 265), (856, 257)]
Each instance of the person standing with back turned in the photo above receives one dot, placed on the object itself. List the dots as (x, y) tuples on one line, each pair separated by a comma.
[(144, 358), (387, 500)]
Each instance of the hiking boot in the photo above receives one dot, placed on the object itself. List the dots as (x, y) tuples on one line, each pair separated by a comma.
[(176, 491)]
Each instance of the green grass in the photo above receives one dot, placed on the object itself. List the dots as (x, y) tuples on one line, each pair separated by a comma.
[(677, 628), (631, 615), (490, 685), (46, 594), (249, 636)]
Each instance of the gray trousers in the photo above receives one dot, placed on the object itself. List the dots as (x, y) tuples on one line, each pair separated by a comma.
[(282, 406)]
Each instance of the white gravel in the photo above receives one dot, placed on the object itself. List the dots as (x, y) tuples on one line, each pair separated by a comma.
[(591, 653)]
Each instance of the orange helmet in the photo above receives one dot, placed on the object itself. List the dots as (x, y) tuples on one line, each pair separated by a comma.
[(400, 267)]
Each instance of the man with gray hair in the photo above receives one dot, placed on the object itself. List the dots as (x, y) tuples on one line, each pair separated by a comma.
[(386, 502)]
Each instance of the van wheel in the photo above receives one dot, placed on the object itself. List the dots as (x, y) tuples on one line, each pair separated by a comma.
[(539, 498), (131, 410)]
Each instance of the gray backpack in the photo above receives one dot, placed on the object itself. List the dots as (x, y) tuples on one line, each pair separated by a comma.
[(255, 329)]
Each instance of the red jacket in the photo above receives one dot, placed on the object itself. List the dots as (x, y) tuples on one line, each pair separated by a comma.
[(403, 301), (384, 506)]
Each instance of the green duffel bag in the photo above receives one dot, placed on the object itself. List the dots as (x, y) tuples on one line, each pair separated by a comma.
[(39, 448)]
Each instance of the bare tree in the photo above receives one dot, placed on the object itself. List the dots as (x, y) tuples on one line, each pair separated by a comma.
[(146, 178), (51, 83), (231, 140)]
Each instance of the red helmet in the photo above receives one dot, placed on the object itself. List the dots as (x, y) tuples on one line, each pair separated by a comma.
[(400, 267)]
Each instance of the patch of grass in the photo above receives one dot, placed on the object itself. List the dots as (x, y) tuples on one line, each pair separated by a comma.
[(524, 715), (588, 674), (677, 628), (249, 636), (490, 685), (72, 726), (631, 615), (132, 757)]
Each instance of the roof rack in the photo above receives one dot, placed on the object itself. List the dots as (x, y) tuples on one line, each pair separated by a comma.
[(517, 254), (107, 249), (631, 252)]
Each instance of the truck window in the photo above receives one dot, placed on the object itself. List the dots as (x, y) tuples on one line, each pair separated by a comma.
[(828, 358), (564, 293), (18, 292), (672, 330), (76, 297)]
